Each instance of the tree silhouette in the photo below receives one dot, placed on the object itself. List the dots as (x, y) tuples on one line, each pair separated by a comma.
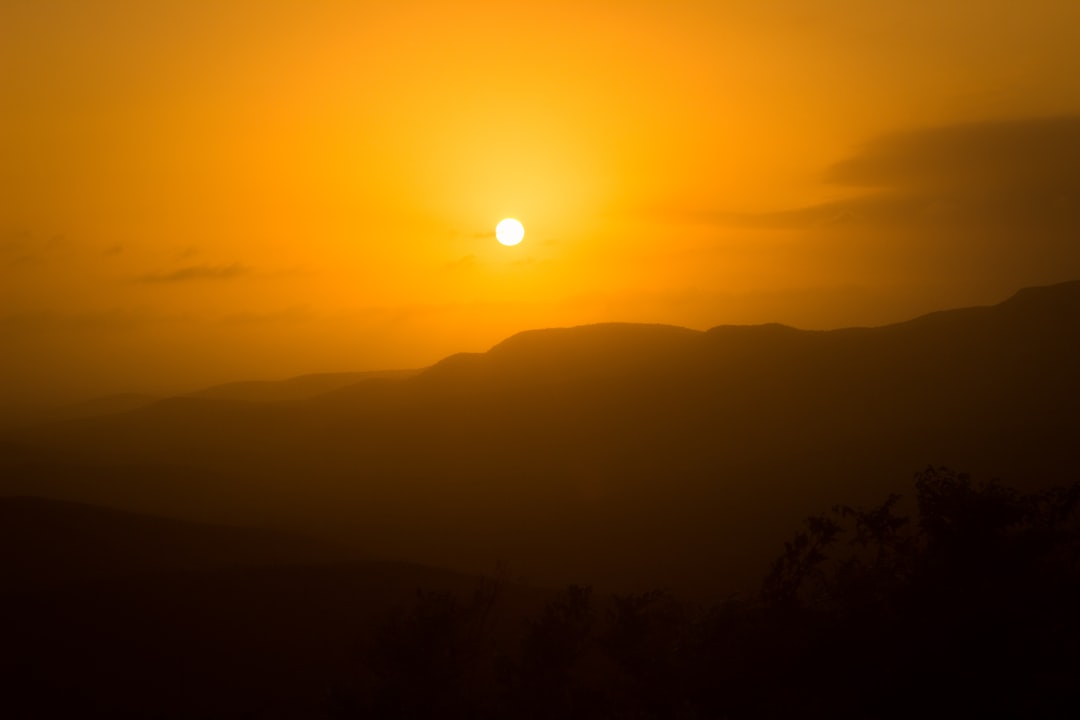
[(973, 604), (966, 608)]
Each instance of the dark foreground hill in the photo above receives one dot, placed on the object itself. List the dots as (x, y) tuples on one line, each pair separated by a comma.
[(966, 607), (49, 544), (627, 455), (122, 615)]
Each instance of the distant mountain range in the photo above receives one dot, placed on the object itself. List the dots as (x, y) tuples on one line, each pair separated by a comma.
[(258, 391), (617, 453)]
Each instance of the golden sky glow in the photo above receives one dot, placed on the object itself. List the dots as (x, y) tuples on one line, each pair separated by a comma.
[(194, 192)]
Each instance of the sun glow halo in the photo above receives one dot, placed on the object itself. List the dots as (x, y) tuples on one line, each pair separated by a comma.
[(509, 232)]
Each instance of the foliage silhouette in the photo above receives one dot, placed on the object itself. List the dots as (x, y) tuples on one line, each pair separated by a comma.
[(967, 608)]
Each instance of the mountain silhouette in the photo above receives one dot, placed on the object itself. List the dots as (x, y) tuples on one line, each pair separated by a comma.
[(619, 453)]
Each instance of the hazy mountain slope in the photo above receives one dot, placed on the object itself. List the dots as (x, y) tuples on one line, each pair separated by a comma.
[(293, 389), (618, 452), (107, 405)]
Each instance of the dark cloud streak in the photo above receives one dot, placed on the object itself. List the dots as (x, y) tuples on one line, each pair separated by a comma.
[(198, 272), (987, 155), (1001, 175), (995, 202)]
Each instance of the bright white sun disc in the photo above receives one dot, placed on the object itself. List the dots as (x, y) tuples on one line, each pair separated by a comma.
[(509, 232)]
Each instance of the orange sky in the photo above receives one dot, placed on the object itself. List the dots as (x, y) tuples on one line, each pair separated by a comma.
[(196, 192)]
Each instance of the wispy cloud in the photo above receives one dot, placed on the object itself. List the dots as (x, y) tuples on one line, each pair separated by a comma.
[(467, 262), (25, 248), (291, 315), (197, 272), (108, 320)]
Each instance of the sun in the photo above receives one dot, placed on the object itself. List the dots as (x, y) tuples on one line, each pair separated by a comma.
[(509, 232)]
